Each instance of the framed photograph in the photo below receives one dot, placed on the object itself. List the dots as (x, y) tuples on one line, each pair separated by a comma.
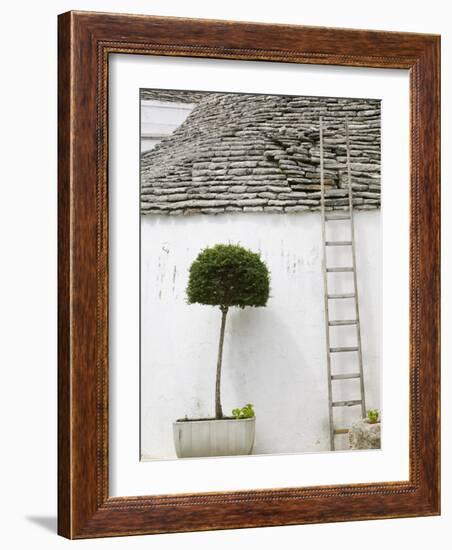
[(249, 260)]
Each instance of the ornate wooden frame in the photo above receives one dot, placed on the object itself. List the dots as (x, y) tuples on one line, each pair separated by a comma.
[(85, 42)]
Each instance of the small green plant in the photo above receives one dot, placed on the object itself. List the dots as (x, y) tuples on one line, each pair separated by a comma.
[(245, 412), (373, 415)]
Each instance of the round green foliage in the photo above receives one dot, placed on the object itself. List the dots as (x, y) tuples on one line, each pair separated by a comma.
[(373, 415), (228, 275)]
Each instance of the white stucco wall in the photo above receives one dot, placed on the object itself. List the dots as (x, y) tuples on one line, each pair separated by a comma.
[(160, 119), (275, 356)]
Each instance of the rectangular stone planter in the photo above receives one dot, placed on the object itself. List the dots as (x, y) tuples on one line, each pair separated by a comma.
[(203, 438)]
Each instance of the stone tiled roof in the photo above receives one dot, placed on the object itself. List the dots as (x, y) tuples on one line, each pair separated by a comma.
[(260, 153), (172, 96)]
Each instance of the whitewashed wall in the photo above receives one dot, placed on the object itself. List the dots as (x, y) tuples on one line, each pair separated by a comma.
[(159, 119), (274, 356)]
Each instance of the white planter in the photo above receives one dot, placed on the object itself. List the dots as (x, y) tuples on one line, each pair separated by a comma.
[(226, 437)]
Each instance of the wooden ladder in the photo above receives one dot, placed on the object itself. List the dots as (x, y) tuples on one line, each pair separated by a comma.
[(355, 351)]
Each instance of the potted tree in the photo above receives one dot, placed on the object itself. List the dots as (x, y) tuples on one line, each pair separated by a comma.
[(224, 276)]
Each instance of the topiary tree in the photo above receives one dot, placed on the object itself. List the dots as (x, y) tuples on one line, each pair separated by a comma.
[(227, 275)]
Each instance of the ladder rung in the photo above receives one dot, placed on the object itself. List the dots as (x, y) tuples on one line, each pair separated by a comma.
[(343, 323), (340, 296), (338, 243), (341, 431), (336, 218), (345, 376), (337, 350), (346, 403), (338, 269)]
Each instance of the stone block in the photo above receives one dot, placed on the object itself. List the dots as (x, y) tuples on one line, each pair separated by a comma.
[(295, 209), (365, 435)]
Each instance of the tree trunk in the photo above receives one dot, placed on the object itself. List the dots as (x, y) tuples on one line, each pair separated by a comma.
[(218, 408)]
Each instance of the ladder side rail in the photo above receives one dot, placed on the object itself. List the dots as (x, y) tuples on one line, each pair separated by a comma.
[(352, 229), (325, 289)]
